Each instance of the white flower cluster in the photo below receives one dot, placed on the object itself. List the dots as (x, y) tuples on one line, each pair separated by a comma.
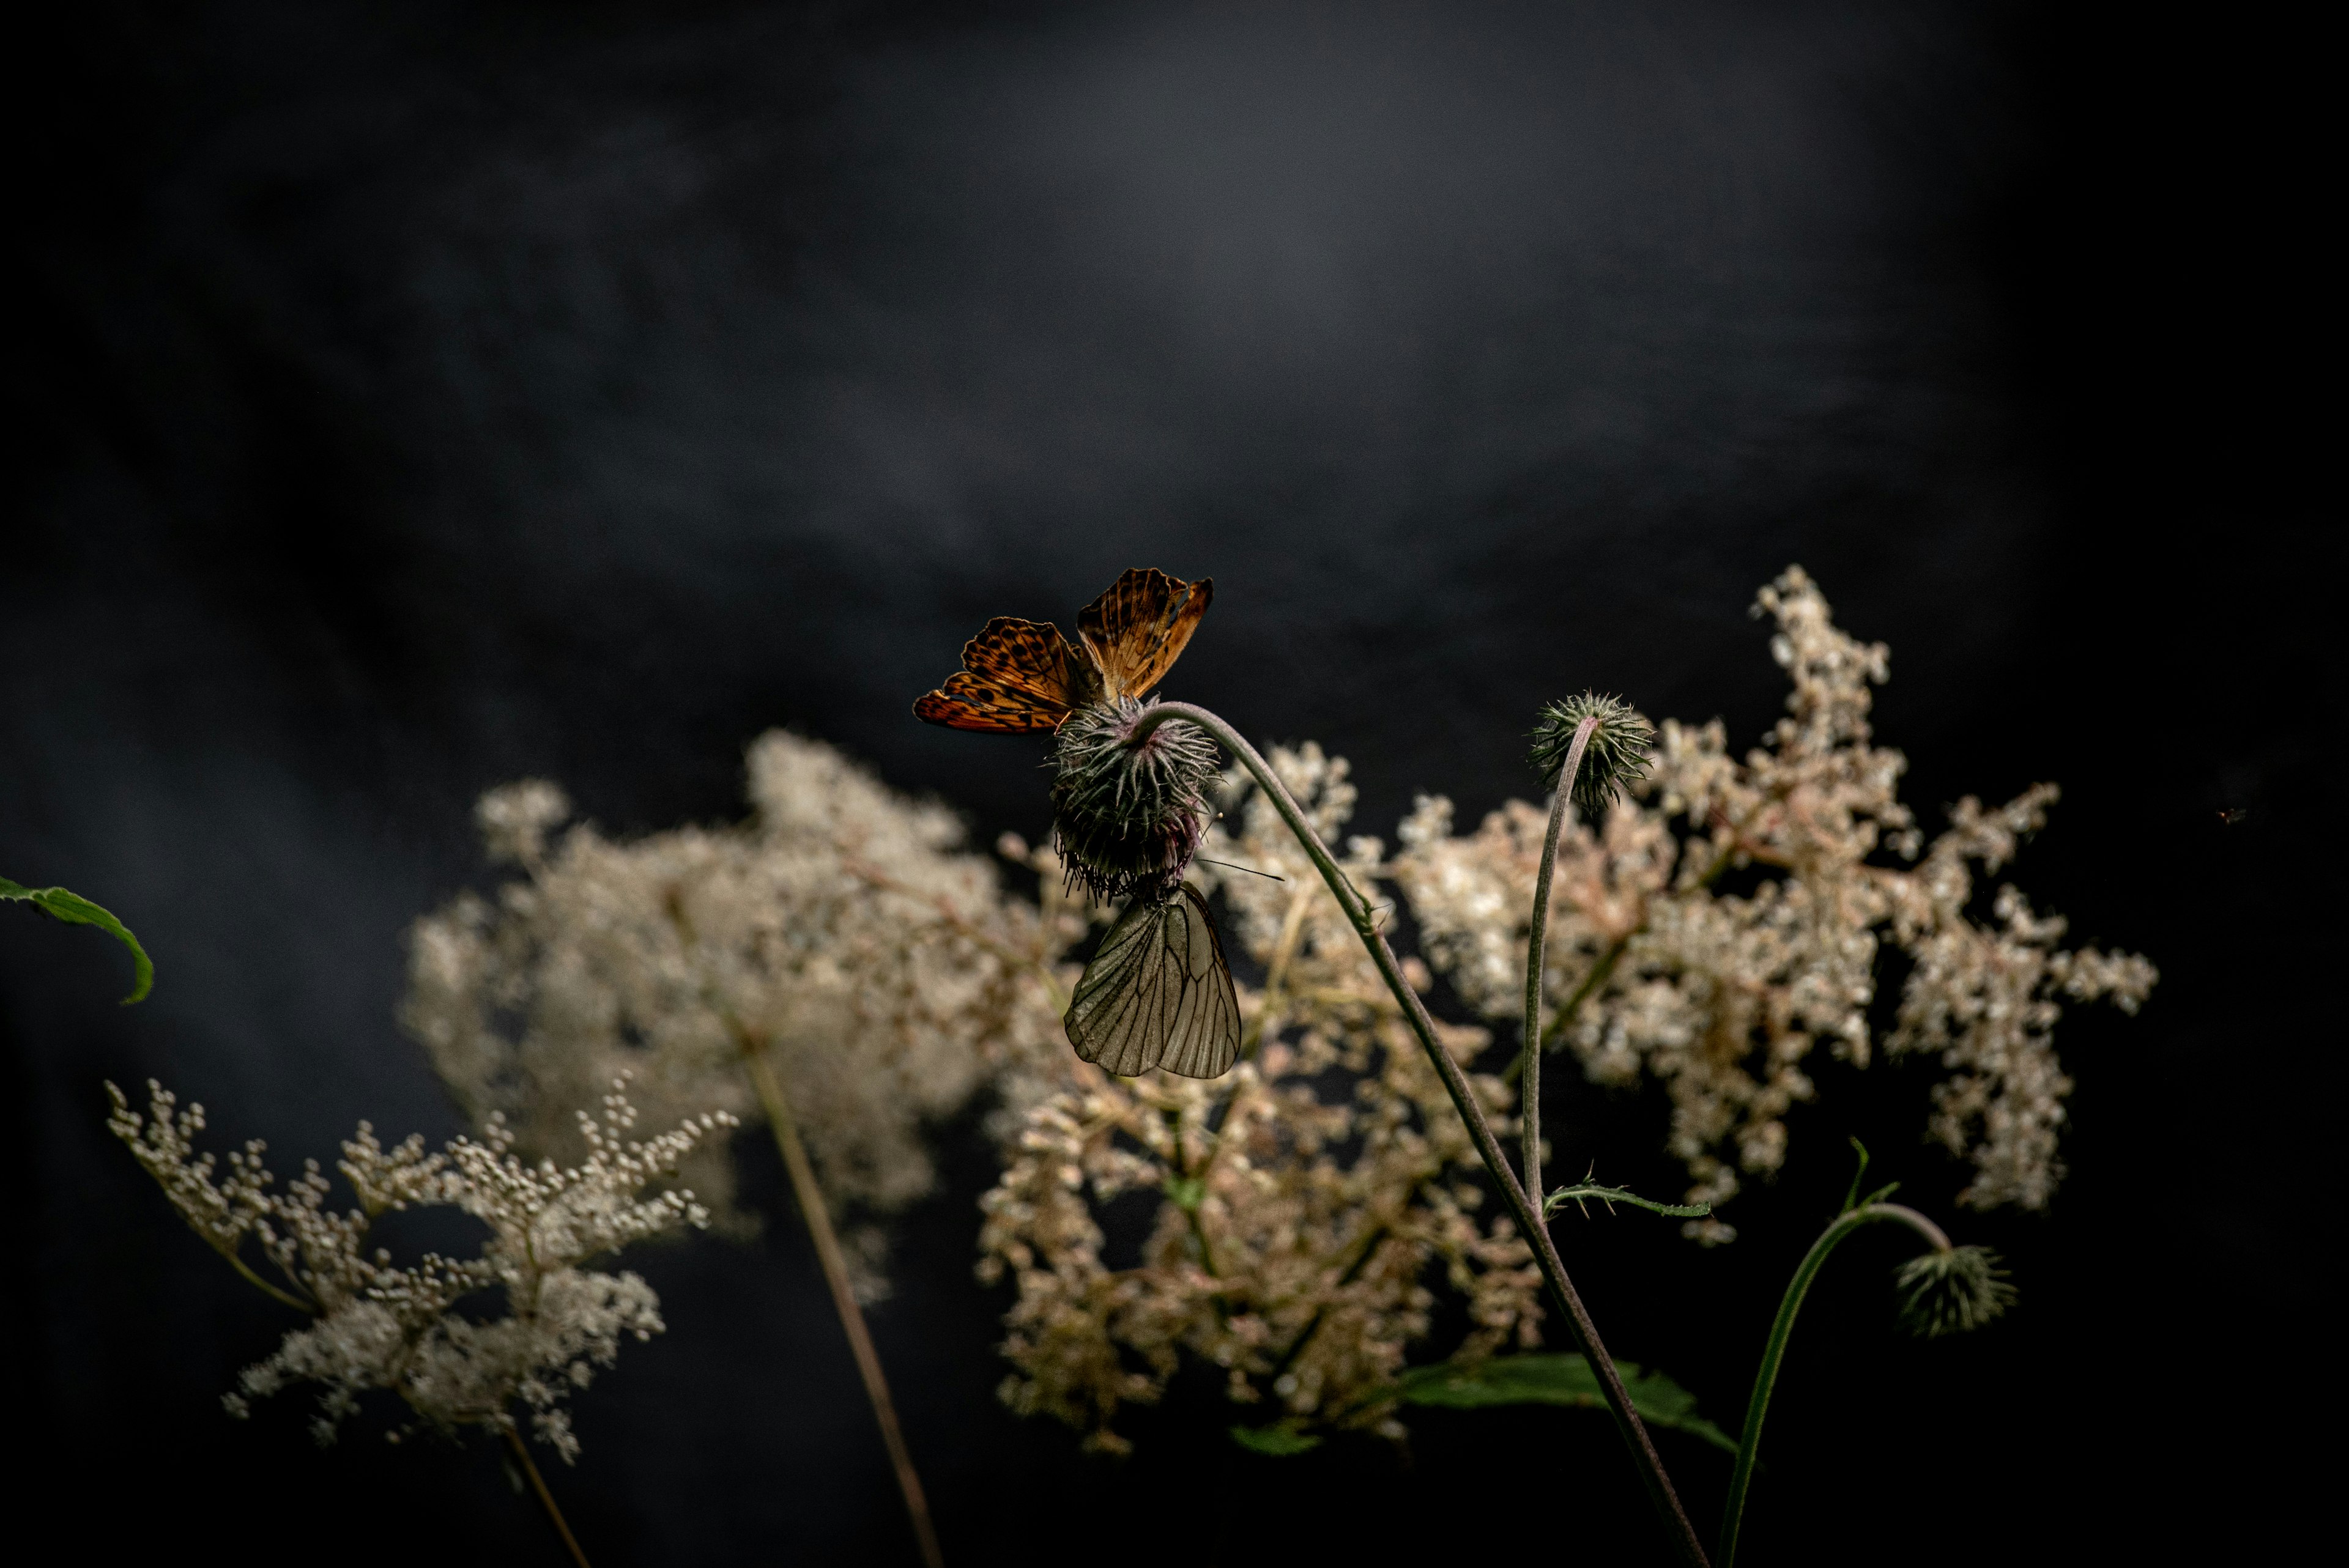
[(1297, 1234), (384, 1324), (882, 974), (1722, 996)]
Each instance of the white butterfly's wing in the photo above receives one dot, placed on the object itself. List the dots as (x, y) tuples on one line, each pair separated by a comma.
[(1205, 1037), (1158, 993), (1120, 1014)]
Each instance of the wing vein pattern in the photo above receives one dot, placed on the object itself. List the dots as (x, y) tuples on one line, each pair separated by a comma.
[(1159, 994)]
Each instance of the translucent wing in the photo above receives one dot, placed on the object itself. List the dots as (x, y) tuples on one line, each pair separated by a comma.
[(1137, 629), (1121, 1013), (1017, 677), (1158, 993), (1206, 1038)]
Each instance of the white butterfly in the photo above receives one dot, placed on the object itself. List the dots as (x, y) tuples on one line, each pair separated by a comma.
[(1159, 993)]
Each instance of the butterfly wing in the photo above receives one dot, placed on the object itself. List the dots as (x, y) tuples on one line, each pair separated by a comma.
[(1017, 677), (1137, 629), (1206, 1038), (1158, 993), (1119, 1014)]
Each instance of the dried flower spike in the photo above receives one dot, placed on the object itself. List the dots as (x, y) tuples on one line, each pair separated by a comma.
[(1614, 757), (1951, 1292)]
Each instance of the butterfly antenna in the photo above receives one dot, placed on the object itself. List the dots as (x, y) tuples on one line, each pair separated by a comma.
[(1250, 870)]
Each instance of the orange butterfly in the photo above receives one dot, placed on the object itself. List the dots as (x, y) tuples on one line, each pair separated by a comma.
[(1021, 677)]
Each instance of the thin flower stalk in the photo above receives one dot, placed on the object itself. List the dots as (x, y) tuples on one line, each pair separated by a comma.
[(1360, 913), (832, 1258), (1868, 1211), (1561, 797), (813, 1210), (546, 1499)]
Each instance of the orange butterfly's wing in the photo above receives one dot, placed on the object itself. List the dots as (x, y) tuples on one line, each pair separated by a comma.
[(1137, 629), (1017, 677)]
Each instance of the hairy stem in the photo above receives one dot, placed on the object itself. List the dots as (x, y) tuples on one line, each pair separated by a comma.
[(1463, 1099), (843, 1298), (545, 1498), (1529, 1102), (1766, 1378)]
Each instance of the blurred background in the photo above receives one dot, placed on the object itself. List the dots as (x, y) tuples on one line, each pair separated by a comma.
[(416, 397)]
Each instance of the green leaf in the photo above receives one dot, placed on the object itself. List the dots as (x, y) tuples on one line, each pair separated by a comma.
[(1281, 1439), (76, 910), (1560, 1379), (1186, 1192)]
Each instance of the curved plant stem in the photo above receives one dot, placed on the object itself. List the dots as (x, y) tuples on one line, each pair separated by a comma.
[(545, 1498), (1480, 1131), (238, 1263), (1767, 1376), (1529, 1102), (843, 1298)]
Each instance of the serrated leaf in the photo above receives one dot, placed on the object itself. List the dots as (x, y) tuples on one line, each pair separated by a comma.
[(1280, 1440), (1556, 1379), (76, 910)]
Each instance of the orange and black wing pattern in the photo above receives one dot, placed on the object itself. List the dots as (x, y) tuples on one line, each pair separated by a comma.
[(1137, 629), (1018, 677)]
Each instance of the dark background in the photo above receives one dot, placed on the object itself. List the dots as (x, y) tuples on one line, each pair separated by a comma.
[(416, 397)]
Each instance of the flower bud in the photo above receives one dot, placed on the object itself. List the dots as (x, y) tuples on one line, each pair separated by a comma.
[(1615, 756), (1128, 814), (1951, 1292)]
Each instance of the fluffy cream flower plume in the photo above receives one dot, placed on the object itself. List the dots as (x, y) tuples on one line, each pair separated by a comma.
[(1307, 1201), (840, 933), (1294, 1246), (835, 966), (385, 1325), (1722, 997)]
